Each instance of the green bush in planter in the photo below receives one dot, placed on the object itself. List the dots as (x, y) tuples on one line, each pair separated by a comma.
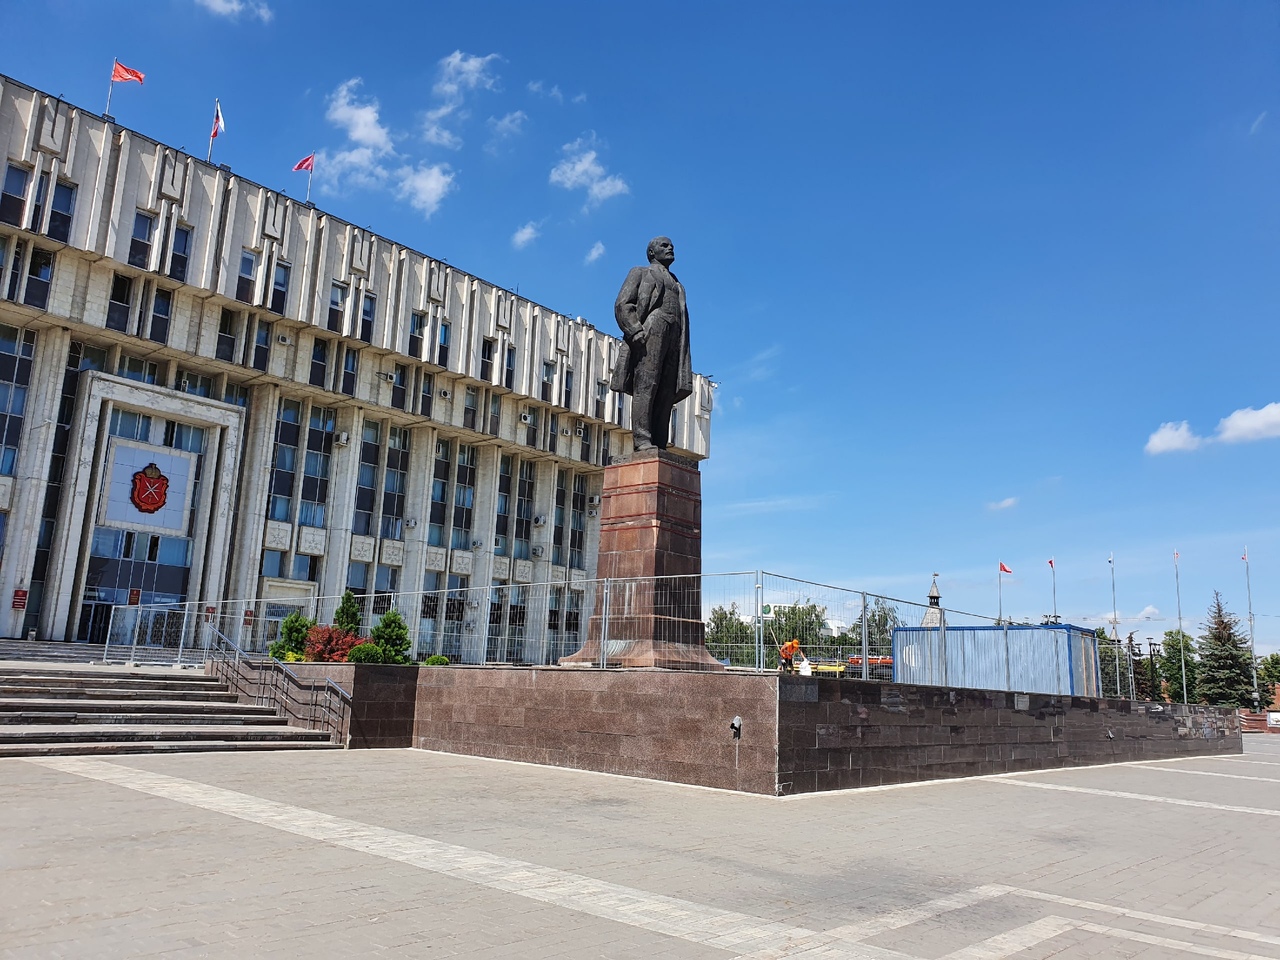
[(366, 653), (392, 634), (292, 645), (436, 661)]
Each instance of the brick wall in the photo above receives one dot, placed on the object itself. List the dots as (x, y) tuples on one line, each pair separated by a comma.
[(382, 700), (835, 734)]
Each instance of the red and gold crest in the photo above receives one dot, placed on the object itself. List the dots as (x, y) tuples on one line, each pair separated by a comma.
[(150, 489)]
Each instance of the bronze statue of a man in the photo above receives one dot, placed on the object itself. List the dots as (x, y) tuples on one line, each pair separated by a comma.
[(653, 365)]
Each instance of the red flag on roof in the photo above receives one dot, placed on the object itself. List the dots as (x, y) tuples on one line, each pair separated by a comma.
[(1003, 568), (1051, 561), (219, 125), (307, 163), (122, 74)]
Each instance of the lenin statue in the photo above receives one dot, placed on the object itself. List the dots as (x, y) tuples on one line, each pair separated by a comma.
[(653, 365)]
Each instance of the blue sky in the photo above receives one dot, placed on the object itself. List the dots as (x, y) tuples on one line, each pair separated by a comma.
[(980, 282)]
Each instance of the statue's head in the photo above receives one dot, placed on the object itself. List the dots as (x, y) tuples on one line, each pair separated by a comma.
[(662, 251)]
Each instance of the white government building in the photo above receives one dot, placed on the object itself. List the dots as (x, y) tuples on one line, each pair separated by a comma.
[(211, 391)]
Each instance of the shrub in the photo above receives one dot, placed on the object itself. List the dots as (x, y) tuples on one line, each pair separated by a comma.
[(347, 616), (290, 657), (329, 644), (367, 652), (436, 661), (392, 634), (293, 637)]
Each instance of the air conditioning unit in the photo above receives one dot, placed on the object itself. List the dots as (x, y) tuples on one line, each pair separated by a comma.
[(180, 384), (283, 338), (580, 432), (342, 439), (538, 551), (526, 418), (411, 523), (593, 512), (444, 393), (473, 602), (540, 520), (384, 375), (565, 431), (593, 501), (477, 544)]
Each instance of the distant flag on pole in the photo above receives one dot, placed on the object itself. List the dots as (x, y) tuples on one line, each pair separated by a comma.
[(1004, 568), (219, 125), (1175, 556), (1112, 559), (122, 74), (1245, 558), (1051, 567), (307, 163)]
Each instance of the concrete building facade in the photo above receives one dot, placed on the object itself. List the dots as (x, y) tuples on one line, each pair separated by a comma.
[(211, 391)]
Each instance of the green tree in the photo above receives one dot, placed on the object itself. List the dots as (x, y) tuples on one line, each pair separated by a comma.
[(882, 620), (1268, 677), (1113, 666), (391, 633), (347, 617), (1226, 671), (293, 637), (1177, 647), (731, 637), (803, 621)]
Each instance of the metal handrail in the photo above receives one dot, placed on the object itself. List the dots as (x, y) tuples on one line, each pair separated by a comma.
[(273, 684)]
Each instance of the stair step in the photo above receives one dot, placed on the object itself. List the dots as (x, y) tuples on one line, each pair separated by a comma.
[(14, 691), (73, 681), (75, 717), (159, 707), (88, 732), (111, 747), (25, 668)]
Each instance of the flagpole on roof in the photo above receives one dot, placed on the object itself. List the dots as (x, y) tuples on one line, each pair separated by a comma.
[(111, 86), (310, 174), (1000, 591), (213, 132), (1053, 571), (1253, 656), (1182, 645), (1115, 617)]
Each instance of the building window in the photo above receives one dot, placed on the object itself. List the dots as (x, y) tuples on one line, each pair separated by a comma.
[(236, 393), (509, 378), (119, 303), (470, 401), (585, 431), (319, 363), (530, 420), (37, 205), (399, 388), (285, 461), (39, 279), (394, 483), (15, 269), (557, 525), (315, 468), (64, 205), (426, 397), (486, 360), (193, 383), (386, 579), (495, 414), (135, 368), (439, 494), (16, 349), (619, 408), (502, 525), (602, 391), (568, 390), (140, 244), (227, 329), (280, 288), (273, 563), (578, 522), (442, 350), (181, 253), (161, 312), (337, 307), (130, 425), (368, 310), (367, 479), (305, 568), (14, 195), (350, 367), (261, 345), (417, 323), (524, 508), (548, 380), (464, 494), (244, 283)]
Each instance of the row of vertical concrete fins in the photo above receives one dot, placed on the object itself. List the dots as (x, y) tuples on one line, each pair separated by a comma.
[(118, 172)]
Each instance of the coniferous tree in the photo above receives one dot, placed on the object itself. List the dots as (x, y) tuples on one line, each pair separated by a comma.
[(1225, 677), (347, 617), (392, 634), (1177, 647), (1268, 677)]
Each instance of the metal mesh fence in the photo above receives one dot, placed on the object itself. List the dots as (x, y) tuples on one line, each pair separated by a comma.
[(738, 621)]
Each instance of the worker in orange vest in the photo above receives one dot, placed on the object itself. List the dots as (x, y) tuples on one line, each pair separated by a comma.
[(786, 655)]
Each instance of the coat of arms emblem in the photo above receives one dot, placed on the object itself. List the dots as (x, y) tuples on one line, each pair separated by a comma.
[(150, 489)]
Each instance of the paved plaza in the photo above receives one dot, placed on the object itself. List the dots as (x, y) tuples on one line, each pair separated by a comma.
[(402, 853)]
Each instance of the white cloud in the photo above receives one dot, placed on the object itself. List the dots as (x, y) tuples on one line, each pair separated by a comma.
[(357, 167), (1257, 123), (360, 120), (1172, 437), (459, 74), (776, 505), (1004, 504), (525, 235), (504, 128), (1249, 424), (581, 169), (580, 98), (537, 86), (233, 8), (595, 253), (424, 186)]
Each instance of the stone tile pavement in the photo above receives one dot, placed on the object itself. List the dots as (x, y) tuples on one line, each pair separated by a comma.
[(402, 853)]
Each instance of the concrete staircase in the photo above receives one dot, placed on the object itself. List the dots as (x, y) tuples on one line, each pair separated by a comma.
[(66, 709)]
